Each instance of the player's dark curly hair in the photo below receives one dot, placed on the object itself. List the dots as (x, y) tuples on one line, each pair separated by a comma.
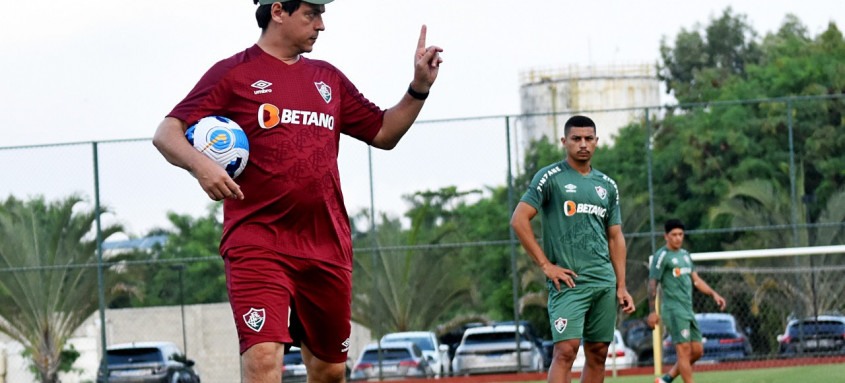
[(673, 224), (578, 122), (262, 14)]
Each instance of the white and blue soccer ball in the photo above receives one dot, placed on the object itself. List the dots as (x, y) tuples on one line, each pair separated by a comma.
[(222, 140)]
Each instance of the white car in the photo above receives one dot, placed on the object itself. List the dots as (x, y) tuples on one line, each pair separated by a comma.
[(619, 355), (437, 354), (494, 349)]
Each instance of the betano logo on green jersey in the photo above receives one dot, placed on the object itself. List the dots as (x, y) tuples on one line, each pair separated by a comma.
[(571, 208), (678, 271)]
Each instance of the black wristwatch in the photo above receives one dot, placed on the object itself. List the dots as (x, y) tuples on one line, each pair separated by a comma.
[(417, 95)]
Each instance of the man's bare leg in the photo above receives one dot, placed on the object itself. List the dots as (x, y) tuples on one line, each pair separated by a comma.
[(560, 370), (320, 371), (596, 354), (262, 363)]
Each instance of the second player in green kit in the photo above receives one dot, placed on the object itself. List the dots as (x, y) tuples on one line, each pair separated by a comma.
[(672, 268), (583, 252)]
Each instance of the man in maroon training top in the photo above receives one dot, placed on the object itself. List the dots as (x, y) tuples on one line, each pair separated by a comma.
[(286, 240)]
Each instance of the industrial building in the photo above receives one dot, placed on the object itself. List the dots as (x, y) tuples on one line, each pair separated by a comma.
[(613, 96)]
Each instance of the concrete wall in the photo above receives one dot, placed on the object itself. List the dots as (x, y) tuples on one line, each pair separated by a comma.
[(210, 336)]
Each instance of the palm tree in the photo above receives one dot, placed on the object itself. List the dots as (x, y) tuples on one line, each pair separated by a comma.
[(405, 282), (764, 203), (51, 288)]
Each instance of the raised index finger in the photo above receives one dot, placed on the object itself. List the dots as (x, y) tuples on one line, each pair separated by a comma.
[(421, 42)]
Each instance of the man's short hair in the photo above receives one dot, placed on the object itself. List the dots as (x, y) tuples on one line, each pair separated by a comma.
[(578, 122), (262, 13), (673, 224)]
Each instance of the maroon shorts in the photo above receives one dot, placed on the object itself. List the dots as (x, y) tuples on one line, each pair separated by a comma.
[(284, 299)]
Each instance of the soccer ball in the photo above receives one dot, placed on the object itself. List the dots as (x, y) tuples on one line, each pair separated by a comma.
[(222, 140)]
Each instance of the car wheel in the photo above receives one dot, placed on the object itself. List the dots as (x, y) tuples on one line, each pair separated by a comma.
[(176, 377)]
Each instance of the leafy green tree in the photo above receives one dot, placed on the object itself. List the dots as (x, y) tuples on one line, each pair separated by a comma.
[(702, 150), (700, 60), (191, 249), (54, 288)]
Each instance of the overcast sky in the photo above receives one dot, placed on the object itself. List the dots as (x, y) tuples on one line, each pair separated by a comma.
[(98, 70)]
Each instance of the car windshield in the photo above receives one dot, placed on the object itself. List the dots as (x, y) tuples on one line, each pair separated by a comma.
[(716, 326), (424, 343), (293, 357), (491, 337), (820, 327), (134, 355), (371, 356)]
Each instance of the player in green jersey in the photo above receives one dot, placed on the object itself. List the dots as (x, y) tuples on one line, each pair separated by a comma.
[(583, 253), (671, 267)]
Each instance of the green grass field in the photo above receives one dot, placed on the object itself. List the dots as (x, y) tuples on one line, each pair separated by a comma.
[(821, 373)]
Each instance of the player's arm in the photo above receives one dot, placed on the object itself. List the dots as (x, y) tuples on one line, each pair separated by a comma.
[(653, 319), (702, 286), (618, 255), (521, 224), (399, 118), (170, 141)]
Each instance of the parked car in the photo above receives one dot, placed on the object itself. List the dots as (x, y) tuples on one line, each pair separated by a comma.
[(721, 337), (436, 353), (639, 337), (490, 349), (147, 362), (398, 360), (822, 334), (293, 369), (619, 355), (548, 352)]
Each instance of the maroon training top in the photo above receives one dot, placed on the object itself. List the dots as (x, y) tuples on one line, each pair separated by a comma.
[(293, 116)]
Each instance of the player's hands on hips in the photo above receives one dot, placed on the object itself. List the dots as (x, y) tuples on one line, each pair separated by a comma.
[(719, 301), (558, 274), (215, 181), (625, 300), (426, 64), (653, 320)]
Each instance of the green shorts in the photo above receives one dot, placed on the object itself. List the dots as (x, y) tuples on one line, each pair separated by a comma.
[(681, 325), (587, 313)]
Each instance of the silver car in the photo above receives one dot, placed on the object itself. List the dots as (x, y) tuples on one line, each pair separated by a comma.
[(492, 349), (147, 362), (436, 353), (398, 360)]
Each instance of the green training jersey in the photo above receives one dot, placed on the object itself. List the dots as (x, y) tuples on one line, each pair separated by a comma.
[(576, 212), (673, 270)]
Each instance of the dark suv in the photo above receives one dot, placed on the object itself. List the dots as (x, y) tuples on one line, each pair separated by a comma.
[(147, 362), (824, 334), (722, 339)]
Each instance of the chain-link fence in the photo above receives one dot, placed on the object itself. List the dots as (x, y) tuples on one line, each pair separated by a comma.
[(753, 174)]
